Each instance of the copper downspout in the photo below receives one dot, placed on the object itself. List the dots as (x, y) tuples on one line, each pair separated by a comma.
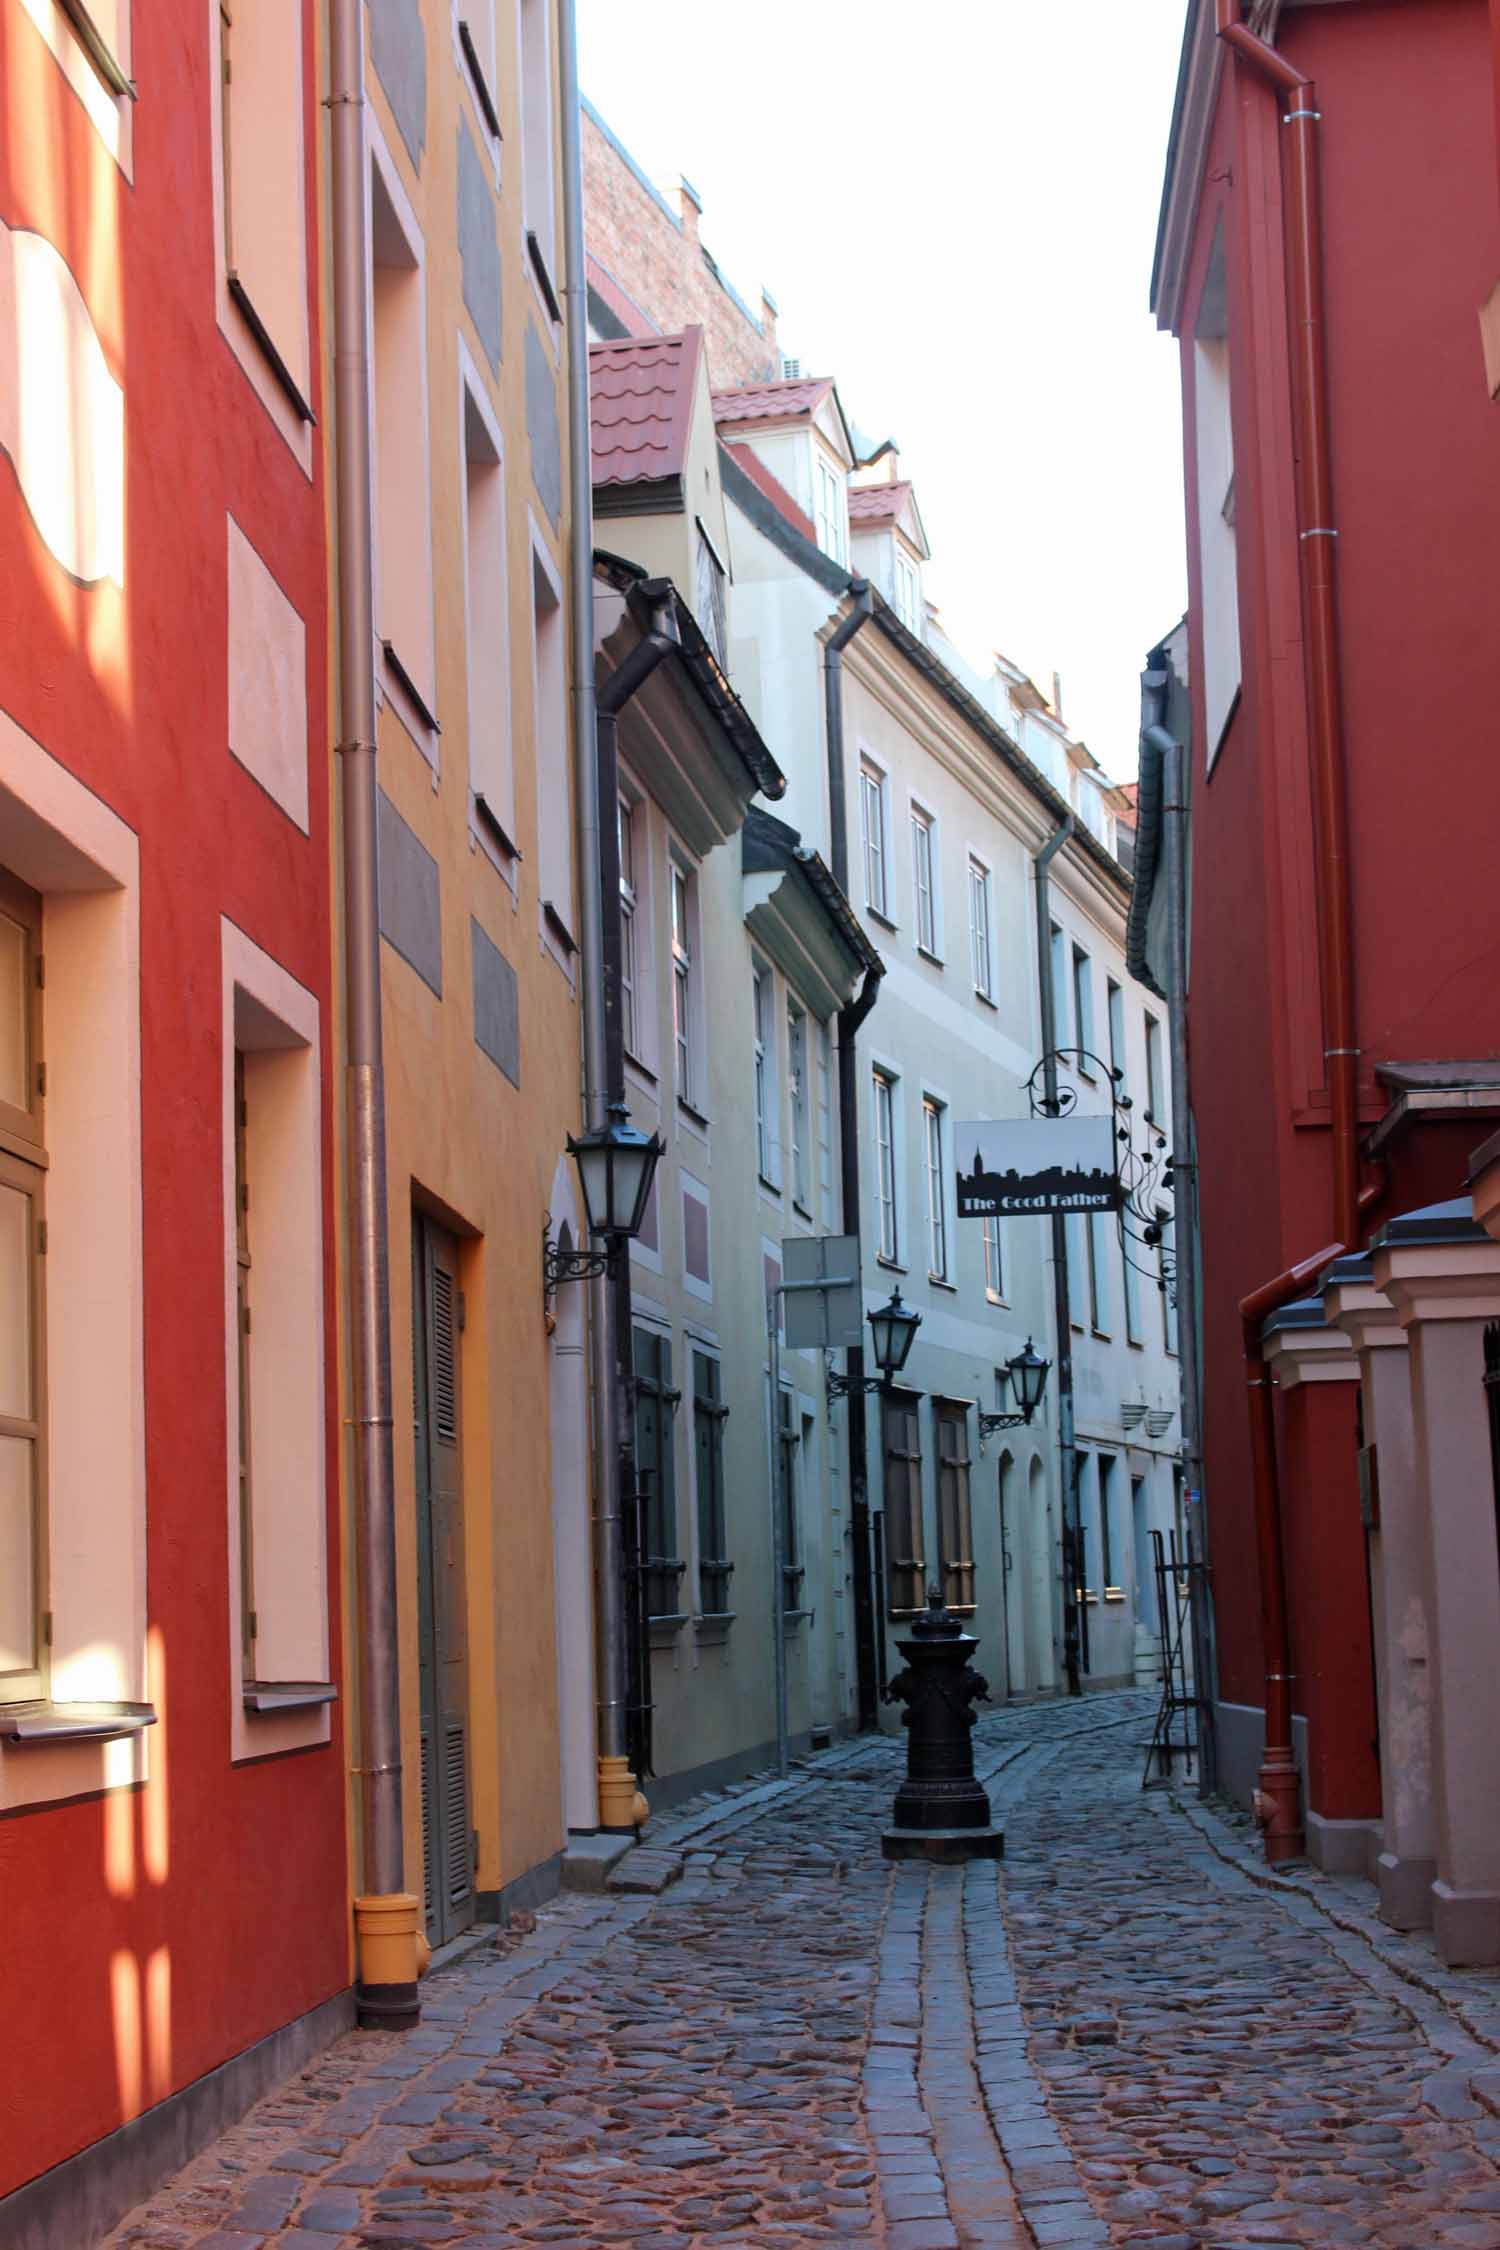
[(1277, 1800), (1317, 542), (1277, 1804)]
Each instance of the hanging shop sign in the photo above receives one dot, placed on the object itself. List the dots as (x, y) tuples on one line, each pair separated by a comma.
[(1037, 1164)]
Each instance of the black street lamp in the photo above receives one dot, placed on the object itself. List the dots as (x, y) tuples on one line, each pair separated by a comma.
[(1027, 1374), (892, 1330), (616, 1166)]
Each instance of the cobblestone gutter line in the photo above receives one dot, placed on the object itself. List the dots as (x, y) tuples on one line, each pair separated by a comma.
[(1472, 1997)]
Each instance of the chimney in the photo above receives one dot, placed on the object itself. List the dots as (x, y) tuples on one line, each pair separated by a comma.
[(1057, 695), (768, 311), (690, 209)]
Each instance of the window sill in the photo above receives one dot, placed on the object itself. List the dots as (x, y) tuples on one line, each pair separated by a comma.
[(98, 51), (695, 1117), (1114, 1593), (962, 1609), (769, 1187), (876, 915), (987, 997), (993, 1297), (480, 90), (557, 929), (712, 1628), (664, 1631), (286, 380), (891, 1265), (642, 1070), (925, 953), (940, 1281), (269, 1697), (1136, 1343), (803, 1212), (1100, 1335), (495, 830), (25, 1723), (795, 1616)]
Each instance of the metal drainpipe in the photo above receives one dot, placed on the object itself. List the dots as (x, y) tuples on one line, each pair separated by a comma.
[(1185, 1178), (866, 1661), (623, 1658), (386, 1915), (1075, 1653)]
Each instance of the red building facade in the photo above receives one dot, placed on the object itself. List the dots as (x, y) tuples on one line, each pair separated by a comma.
[(1344, 668), (171, 1752)]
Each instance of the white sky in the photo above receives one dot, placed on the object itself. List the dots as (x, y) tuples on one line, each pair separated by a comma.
[(954, 207)]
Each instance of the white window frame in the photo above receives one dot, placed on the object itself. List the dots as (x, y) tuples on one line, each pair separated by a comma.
[(110, 111), (925, 882), (553, 791), (824, 1106), (934, 1166), (767, 1074), (797, 1065), (908, 591), (685, 943), (885, 1141), (627, 814), (875, 804), (1156, 1092), (1115, 1008), (830, 504), (982, 926), (1061, 994), (1081, 974), (994, 1259)]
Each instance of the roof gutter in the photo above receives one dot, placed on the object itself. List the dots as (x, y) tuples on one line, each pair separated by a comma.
[(386, 1914)]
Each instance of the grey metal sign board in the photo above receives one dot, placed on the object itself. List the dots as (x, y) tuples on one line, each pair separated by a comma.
[(1036, 1164), (822, 1292)]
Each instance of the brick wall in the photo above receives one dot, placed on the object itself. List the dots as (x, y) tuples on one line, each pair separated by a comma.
[(661, 265)]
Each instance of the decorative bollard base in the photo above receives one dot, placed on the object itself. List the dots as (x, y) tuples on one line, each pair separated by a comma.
[(942, 1812), (944, 1847)]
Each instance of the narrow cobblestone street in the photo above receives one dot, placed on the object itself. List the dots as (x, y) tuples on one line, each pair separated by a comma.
[(1128, 2034)]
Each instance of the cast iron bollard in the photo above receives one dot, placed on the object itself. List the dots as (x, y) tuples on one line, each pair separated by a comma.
[(942, 1812)]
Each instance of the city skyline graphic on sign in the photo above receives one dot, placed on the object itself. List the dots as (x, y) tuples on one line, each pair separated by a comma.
[(1037, 1164)]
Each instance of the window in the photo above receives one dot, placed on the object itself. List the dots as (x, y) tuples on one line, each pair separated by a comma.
[(709, 1416), (1166, 1263), (1099, 1224), (491, 765), (1130, 1274), (1107, 1554), (905, 1548), (536, 132), (1214, 445), (767, 1092), (885, 1165), (655, 1417), (829, 507), (685, 982), (796, 1071), (1059, 987), (628, 818), (1116, 1006), (554, 767), (922, 879), (102, 29), (264, 170), (908, 584), (403, 549), (789, 1438), (955, 1520), (273, 1162), (476, 35), (872, 816), (1088, 1529), (994, 1272), (825, 1127), (937, 1209), (1083, 1006), (979, 928), (1076, 1240), (710, 602), (1155, 1098), (23, 1161)]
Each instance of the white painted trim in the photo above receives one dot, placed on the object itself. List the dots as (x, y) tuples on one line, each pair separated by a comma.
[(111, 115)]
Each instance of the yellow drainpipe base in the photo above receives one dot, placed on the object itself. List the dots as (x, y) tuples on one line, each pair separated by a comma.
[(621, 1804), (393, 1954)]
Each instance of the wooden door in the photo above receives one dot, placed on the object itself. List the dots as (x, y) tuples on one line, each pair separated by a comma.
[(437, 1329)]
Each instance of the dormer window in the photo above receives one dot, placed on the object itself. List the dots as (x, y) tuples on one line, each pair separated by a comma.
[(830, 510), (710, 601), (908, 590)]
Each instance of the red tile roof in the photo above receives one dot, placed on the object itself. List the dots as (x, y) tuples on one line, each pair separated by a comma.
[(877, 503), (641, 406), (771, 402), (746, 458)]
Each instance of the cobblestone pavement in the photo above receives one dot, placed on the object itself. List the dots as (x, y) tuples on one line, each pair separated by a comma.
[(1127, 2034)]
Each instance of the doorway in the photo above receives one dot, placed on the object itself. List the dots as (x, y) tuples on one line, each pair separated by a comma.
[(437, 1404)]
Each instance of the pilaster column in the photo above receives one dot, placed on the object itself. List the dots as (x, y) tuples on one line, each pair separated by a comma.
[(1407, 1864), (1442, 1273)]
